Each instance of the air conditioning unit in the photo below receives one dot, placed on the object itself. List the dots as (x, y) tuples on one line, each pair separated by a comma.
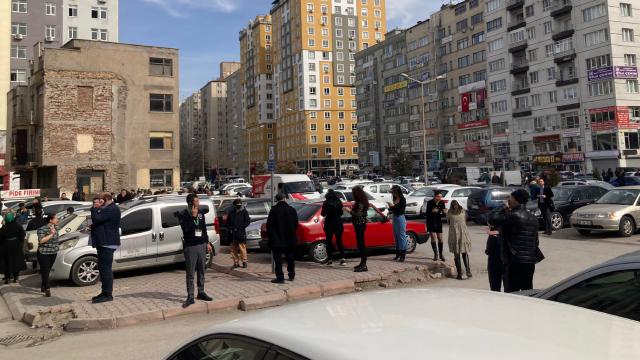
[(18, 36)]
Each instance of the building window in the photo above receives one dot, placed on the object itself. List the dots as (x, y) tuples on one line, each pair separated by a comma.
[(327, 151), (599, 62), (327, 139), (50, 32), (19, 6), (19, 29), (596, 37), (18, 52), (18, 76), (600, 88), (594, 12), (625, 10), (627, 35), (160, 67), (632, 86), (631, 140), (161, 178), (99, 34), (160, 140), (494, 24), (548, 27), (496, 65), (630, 59), (99, 13), (73, 10), (73, 32), (161, 102), (50, 9)]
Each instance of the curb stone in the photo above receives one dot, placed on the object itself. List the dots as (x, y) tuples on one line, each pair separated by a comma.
[(304, 293), (338, 287), (138, 318), (90, 324), (224, 305), (197, 308), (263, 301)]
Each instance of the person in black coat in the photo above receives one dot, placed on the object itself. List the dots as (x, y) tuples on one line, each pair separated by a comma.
[(332, 213), (545, 203), (105, 238), (237, 222), (435, 211), (495, 267), (282, 224), (12, 237), (38, 221)]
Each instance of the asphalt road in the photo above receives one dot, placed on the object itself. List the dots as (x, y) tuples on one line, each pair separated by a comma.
[(566, 253)]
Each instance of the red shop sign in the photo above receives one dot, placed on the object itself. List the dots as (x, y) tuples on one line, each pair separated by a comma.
[(546, 138), (474, 124)]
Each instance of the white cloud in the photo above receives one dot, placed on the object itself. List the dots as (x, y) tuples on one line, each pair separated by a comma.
[(404, 13), (182, 8)]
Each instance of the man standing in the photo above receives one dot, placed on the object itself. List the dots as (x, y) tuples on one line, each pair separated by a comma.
[(281, 229), (77, 196), (123, 196), (195, 246), (237, 223), (534, 188), (105, 237), (519, 230), (545, 203)]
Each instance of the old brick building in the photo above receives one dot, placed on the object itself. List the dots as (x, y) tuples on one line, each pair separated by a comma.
[(100, 116)]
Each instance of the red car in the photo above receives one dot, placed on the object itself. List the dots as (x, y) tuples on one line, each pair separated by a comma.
[(379, 232)]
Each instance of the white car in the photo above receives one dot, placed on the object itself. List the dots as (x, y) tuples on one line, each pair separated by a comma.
[(382, 191), (443, 189), (68, 223), (396, 324), (345, 195), (460, 194), (417, 199), (602, 184)]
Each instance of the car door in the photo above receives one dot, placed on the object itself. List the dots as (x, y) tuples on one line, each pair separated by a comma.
[(379, 231), (169, 241), (349, 234), (257, 210), (384, 191), (138, 239), (578, 199)]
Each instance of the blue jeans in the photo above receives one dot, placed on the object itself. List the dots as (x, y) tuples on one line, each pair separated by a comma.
[(400, 232), (105, 265)]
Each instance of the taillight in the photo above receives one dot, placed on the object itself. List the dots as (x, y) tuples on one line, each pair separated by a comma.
[(216, 225)]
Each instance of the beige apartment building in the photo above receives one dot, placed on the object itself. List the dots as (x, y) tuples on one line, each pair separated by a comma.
[(87, 119), (314, 46)]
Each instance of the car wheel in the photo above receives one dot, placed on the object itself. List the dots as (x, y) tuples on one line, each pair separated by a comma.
[(627, 226), (584, 232), (557, 221), (412, 242), (318, 252), (85, 271)]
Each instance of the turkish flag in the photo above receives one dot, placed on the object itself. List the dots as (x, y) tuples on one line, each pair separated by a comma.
[(466, 99)]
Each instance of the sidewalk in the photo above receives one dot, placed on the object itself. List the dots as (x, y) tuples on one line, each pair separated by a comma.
[(159, 295)]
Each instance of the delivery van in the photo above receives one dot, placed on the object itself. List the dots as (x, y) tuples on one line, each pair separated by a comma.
[(297, 187)]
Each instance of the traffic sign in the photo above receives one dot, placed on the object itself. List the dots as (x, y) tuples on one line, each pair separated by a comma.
[(271, 165), (272, 152)]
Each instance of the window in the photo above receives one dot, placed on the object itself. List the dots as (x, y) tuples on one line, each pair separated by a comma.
[(569, 93), (479, 56), (18, 52), (594, 12), (495, 45), (159, 140), (19, 6), (599, 62), (531, 33), (160, 67), (19, 76), (570, 120), (553, 96), (533, 77), (138, 221), (630, 59), (631, 141), (167, 215), (477, 38), (99, 13), (99, 34), (50, 32), (533, 55), (632, 86), (499, 85), (494, 24), (600, 88), (73, 32), (499, 106), (625, 10), (493, 5), (596, 37), (551, 73), (614, 293), (546, 5), (161, 102), (529, 11), (50, 9), (161, 178), (627, 35), (73, 10), (476, 19), (496, 65), (548, 27), (327, 151)]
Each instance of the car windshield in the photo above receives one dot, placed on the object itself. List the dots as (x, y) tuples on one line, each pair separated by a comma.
[(422, 192), (299, 187), (620, 197), (305, 211), (561, 194)]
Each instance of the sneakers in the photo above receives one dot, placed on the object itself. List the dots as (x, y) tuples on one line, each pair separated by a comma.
[(244, 265), (102, 298), (188, 303), (343, 262), (204, 297), (92, 299), (278, 281)]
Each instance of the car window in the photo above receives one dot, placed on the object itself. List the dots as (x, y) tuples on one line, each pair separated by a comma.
[(499, 195), (423, 192), (385, 189), (580, 195), (373, 189), (341, 196), (595, 192), (462, 193), (616, 293), (137, 222), (168, 216), (374, 216), (256, 208), (222, 349)]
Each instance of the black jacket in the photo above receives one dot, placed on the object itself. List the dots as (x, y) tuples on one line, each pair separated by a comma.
[(548, 197), (281, 226), (105, 226), (36, 223), (190, 225), (519, 230), (237, 222), (332, 213), (77, 196)]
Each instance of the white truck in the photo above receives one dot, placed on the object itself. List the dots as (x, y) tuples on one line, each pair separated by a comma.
[(296, 187)]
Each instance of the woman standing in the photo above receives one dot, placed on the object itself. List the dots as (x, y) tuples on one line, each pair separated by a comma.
[(399, 222), (238, 221), (435, 211), (332, 213), (47, 250), (359, 220), (12, 237), (459, 241)]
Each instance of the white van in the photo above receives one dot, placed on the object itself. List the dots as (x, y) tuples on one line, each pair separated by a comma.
[(295, 186)]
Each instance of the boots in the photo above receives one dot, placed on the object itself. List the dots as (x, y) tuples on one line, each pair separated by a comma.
[(397, 255), (362, 267), (435, 251), (403, 254), (456, 259), (440, 246), (465, 258)]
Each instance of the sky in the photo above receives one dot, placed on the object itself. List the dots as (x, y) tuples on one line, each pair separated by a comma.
[(206, 31)]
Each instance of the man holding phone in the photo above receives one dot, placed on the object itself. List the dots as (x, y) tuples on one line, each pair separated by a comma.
[(196, 246)]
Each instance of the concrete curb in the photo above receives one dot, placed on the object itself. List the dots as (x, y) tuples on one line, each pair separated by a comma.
[(234, 272), (304, 293), (263, 301), (338, 287)]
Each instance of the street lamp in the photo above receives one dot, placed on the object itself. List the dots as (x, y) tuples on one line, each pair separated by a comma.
[(424, 124), (202, 149), (249, 149)]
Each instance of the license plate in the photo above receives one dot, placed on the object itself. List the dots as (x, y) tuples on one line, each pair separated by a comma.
[(584, 222)]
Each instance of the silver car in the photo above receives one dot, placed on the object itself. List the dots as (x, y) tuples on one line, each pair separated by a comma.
[(617, 210), (150, 236)]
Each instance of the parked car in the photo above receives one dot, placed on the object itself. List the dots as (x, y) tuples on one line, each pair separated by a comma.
[(311, 237), (611, 287), (68, 223), (627, 181), (151, 236), (57, 206), (347, 196), (617, 210), (258, 209), (381, 325), (382, 191), (253, 234), (416, 201), (445, 190), (568, 199), (602, 184), (481, 202)]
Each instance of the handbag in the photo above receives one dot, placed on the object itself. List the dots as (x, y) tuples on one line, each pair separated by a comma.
[(539, 255)]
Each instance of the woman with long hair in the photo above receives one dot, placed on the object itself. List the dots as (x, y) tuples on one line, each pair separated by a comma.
[(359, 221), (48, 247), (459, 240), (332, 213), (398, 208), (435, 211)]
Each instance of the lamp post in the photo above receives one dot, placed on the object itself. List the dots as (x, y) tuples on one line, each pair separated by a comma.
[(424, 121), (202, 152)]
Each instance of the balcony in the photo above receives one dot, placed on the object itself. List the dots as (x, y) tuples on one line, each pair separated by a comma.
[(567, 80), (560, 7), (517, 23), (563, 31), (518, 46), (514, 4), (519, 66), (520, 87), (522, 111), (564, 56), (24, 159)]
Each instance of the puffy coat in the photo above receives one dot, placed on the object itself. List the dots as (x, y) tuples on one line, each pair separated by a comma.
[(519, 230)]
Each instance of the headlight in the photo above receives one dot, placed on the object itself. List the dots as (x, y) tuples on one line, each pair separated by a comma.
[(537, 213), (69, 244), (413, 204), (253, 233)]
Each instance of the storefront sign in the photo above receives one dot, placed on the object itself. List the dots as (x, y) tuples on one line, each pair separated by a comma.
[(613, 72), (600, 74), (622, 119), (472, 147), (396, 86), (474, 124), (547, 159), (17, 194), (569, 133), (568, 158), (607, 154), (546, 138)]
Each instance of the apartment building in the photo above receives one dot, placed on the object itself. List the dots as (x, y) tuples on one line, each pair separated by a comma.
[(90, 20), (256, 57), (214, 103), (191, 127), (87, 119), (563, 83), (5, 68), (236, 159), (314, 48)]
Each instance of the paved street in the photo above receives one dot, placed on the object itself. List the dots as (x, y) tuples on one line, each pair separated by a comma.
[(566, 254)]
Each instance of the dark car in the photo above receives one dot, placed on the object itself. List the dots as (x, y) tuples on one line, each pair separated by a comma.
[(626, 181), (566, 200), (258, 210), (481, 202), (612, 287)]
